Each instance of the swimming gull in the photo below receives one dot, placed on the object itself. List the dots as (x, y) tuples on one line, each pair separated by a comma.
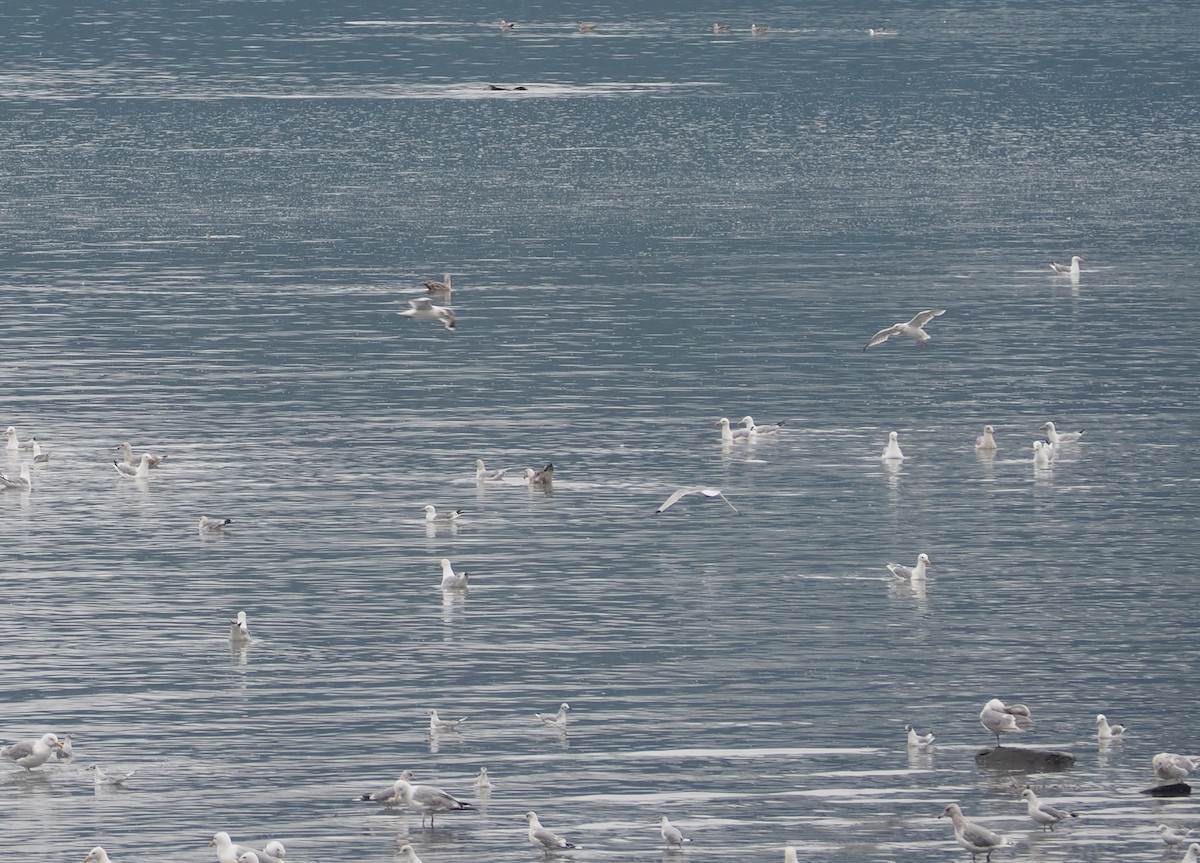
[(1192, 855), (999, 719), (974, 837), (759, 29), (482, 473), (506, 25), (543, 838), (1173, 836), (39, 457), (452, 580), (670, 833), (986, 441), (1042, 453), (559, 720), (722, 28), (893, 451), (66, 751), (239, 630), (406, 854), (1043, 813), (910, 573), (97, 855), (127, 471), (249, 855), (21, 482), (755, 429), (1071, 269), (442, 287), (918, 741), (228, 851), (32, 753), (130, 458), (1055, 437), (1168, 766), (789, 854), (437, 724), (684, 492), (482, 781), (14, 443), (913, 329), (1104, 731), (542, 476), (391, 795), (431, 514), (273, 850), (212, 525), (423, 309), (729, 435), (880, 31), (429, 800), (586, 27), (100, 777)]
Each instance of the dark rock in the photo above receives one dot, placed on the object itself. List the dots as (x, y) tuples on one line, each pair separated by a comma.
[(1175, 789), (1023, 759)]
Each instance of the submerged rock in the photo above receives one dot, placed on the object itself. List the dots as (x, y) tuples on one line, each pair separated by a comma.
[(1175, 789), (1024, 759)]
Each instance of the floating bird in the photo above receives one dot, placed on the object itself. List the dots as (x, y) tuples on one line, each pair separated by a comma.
[(1104, 731), (1071, 269), (248, 856), (986, 441), (998, 719), (914, 573), (423, 309), (482, 781), (1173, 836), (759, 29), (66, 751), (559, 720), (142, 471), (1055, 437), (722, 28), (109, 779), (229, 851), (428, 800), (130, 458), (442, 287), (1170, 767), (239, 630), (680, 493), (21, 482), (452, 580), (97, 855), (406, 854), (586, 27), (1043, 813), (274, 850), (392, 795), (506, 25), (437, 724), (1042, 454), (913, 329), (541, 476), (670, 833), (974, 837), (918, 741), (755, 429), (789, 854), (893, 452), (880, 31), (542, 838), (212, 525), (431, 514), (39, 457), (1193, 854), (729, 435), (32, 753), (14, 443), (482, 473)]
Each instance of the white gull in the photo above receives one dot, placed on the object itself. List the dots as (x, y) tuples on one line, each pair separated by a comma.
[(482, 473), (1055, 437), (32, 753), (212, 525), (142, 471), (559, 719), (437, 724), (239, 629), (482, 781), (1042, 454), (974, 837), (671, 834), (130, 458), (452, 580), (406, 854), (986, 441), (543, 838), (391, 795), (1104, 731), (1173, 836), (681, 493), (429, 800), (431, 514), (14, 443), (729, 435), (918, 741), (1071, 269), (910, 573), (1170, 767), (22, 482), (100, 777), (893, 451), (999, 719), (755, 429), (1043, 813), (97, 855), (913, 329), (423, 309)]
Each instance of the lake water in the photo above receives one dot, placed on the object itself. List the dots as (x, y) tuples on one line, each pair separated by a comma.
[(212, 217)]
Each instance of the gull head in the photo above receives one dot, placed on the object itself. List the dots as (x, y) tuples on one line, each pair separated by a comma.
[(924, 558), (723, 421), (952, 810)]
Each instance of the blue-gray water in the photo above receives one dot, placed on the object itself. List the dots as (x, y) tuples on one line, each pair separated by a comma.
[(211, 219)]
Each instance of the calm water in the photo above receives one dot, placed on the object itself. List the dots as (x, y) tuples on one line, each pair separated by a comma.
[(211, 219)]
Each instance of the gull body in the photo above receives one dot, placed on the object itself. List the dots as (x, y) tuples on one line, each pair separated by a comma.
[(229, 851), (559, 719), (541, 837), (1043, 454), (918, 741), (406, 854), (506, 25), (987, 440), (1055, 437), (437, 724), (429, 800), (482, 473), (392, 795), (974, 837), (239, 629), (128, 471), (759, 29), (722, 28), (21, 482), (1071, 269), (880, 31), (681, 493), (39, 457), (586, 27), (1193, 854), (1170, 767), (130, 458), (452, 580), (483, 782), (893, 452), (442, 287), (212, 525), (670, 833), (1104, 731), (109, 779), (423, 309), (913, 573), (541, 476), (789, 854), (1043, 813), (13, 443), (248, 855), (274, 850), (32, 753), (755, 429), (97, 855), (66, 751), (999, 719), (914, 329), (431, 514), (1173, 836), (730, 435)]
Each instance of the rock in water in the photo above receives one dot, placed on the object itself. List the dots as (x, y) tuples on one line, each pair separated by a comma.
[(1175, 789), (1024, 759)]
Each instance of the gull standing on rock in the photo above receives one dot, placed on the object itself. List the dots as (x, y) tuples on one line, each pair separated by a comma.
[(1104, 731), (974, 837), (540, 837), (912, 329), (1170, 767), (1043, 813), (32, 753), (998, 719)]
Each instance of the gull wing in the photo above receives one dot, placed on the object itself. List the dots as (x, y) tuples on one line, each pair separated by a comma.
[(922, 318), (883, 335)]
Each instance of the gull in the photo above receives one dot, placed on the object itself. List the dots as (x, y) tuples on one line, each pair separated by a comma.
[(442, 287), (229, 851), (912, 329), (239, 630), (274, 850), (670, 833), (1055, 438), (1173, 836), (407, 854), (506, 25), (1168, 766), (1042, 454), (32, 753), (729, 435), (1071, 269), (914, 573), (542, 838), (789, 854), (755, 429), (1104, 731), (974, 837), (722, 28), (437, 724), (759, 29), (1043, 813), (559, 720), (880, 31), (918, 741), (66, 751), (998, 719), (986, 441), (893, 452), (248, 856), (684, 492), (142, 471), (14, 442), (482, 473), (391, 795), (22, 482), (586, 27), (130, 458), (1193, 854), (97, 855), (431, 514), (109, 779), (452, 580), (541, 476), (39, 457), (482, 781), (423, 309), (212, 525), (428, 800)]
